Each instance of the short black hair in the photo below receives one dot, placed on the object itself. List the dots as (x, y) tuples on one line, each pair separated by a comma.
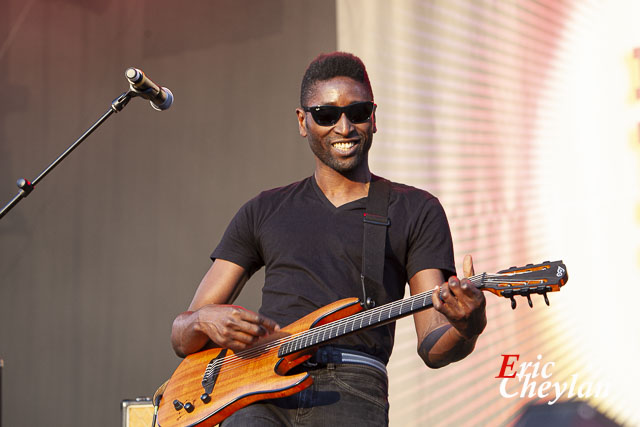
[(329, 65)]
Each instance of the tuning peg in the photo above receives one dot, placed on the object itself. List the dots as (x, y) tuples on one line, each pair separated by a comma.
[(546, 300), (529, 301), (513, 303)]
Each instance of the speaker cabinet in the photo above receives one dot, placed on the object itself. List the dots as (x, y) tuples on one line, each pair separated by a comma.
[(137, 412)]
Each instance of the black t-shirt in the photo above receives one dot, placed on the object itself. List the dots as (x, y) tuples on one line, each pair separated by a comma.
[(312, 251)]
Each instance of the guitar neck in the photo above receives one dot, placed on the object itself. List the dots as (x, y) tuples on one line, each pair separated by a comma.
[(377, 316), (515, 281)]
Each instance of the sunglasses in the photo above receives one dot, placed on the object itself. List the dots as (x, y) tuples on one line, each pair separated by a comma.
[(328, 115)]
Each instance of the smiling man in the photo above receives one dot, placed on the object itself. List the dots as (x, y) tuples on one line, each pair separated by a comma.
[(309, 237)]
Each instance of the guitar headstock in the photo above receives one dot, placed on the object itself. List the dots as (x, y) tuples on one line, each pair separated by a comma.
[(548, 276)]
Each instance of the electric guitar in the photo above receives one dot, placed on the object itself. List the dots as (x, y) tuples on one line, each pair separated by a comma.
[(210, 385)]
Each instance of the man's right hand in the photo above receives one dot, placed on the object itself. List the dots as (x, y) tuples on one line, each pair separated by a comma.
[(210, 319), (232, 326)]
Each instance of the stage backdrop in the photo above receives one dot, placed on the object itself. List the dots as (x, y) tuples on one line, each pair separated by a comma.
[(99, 259), (522, 117)]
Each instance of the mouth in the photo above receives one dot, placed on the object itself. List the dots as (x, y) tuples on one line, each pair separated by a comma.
[(345, 146)]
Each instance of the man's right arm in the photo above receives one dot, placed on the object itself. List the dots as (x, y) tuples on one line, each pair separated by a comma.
[(210, 320)]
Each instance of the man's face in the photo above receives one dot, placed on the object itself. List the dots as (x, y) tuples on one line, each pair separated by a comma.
[(344, 146)]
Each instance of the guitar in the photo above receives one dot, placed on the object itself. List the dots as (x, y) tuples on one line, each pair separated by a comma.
[(210, 385)]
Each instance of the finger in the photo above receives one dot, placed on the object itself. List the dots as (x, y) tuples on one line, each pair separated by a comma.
[(250, 328), (468, 290), (467, 295), (445, 292), (268, 324), (454, 288), (265, 324), (467, 266), (240, 341), (255, 323), (435, 298)]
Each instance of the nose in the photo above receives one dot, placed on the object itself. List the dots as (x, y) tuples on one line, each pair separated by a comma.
[(343, 126)]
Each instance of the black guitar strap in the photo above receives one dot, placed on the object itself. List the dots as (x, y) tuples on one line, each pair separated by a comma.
[(374, 239)]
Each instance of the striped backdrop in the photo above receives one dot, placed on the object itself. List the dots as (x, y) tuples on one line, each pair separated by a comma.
[(491, 106)]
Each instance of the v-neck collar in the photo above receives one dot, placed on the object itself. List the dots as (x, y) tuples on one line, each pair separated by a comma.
[(354, 204)]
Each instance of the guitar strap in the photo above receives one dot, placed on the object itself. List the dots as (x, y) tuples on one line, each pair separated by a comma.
[(374, 239)]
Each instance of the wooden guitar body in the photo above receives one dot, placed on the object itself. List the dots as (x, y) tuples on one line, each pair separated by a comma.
[(243, 377)]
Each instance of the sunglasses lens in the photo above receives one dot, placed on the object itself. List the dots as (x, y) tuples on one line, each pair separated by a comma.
[(360, 112), (326, 115)]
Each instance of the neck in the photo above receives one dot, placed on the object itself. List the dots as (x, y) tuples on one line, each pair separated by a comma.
[(343, 188)]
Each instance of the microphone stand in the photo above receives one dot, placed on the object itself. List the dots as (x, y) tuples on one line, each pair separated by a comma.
[(1, 366), (27, 187)]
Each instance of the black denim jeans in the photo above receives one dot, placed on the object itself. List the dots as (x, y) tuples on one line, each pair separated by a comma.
[(349, 395)]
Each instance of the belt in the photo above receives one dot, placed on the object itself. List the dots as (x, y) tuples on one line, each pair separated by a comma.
[(329, 354)]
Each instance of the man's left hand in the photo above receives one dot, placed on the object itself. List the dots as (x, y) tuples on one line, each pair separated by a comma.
[(462, 303)]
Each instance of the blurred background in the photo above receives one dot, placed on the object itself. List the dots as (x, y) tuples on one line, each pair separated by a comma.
[(522, 116)]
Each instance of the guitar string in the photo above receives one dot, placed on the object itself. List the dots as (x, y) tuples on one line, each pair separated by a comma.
[(228, 361), (309, 334), (238, 359), (240, 356)]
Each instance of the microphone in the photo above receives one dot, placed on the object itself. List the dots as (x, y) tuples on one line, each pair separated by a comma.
[(160, 98)]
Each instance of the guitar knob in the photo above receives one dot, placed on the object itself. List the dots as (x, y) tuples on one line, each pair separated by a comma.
[(529, 301), (205, 397), (189, 407), (177, 405), (513, 303)]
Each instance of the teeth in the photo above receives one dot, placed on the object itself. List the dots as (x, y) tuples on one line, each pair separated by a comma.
[(343, 145)]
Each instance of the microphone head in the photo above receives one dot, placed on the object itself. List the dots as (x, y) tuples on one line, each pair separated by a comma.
[(167, 102), (133, 75)]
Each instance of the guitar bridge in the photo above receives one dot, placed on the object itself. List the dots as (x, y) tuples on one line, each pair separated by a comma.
[(211, 373)]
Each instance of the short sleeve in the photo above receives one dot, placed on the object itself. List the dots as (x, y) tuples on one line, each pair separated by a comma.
[(430, 243), (239, 243)]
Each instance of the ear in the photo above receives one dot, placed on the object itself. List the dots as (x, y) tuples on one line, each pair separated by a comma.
[(302, 122), (373, 119)]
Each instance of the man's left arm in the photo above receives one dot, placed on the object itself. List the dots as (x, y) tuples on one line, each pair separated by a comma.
[(449, 332)]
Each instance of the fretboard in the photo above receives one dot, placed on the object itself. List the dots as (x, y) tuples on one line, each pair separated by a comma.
[(357, 322)]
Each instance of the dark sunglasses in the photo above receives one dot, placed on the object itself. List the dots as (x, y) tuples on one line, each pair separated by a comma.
[(328, 115)]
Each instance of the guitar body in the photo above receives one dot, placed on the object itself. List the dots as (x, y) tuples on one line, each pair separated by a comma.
[(245, 378)]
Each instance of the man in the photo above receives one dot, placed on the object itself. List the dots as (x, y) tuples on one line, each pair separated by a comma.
[(308, 235)]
